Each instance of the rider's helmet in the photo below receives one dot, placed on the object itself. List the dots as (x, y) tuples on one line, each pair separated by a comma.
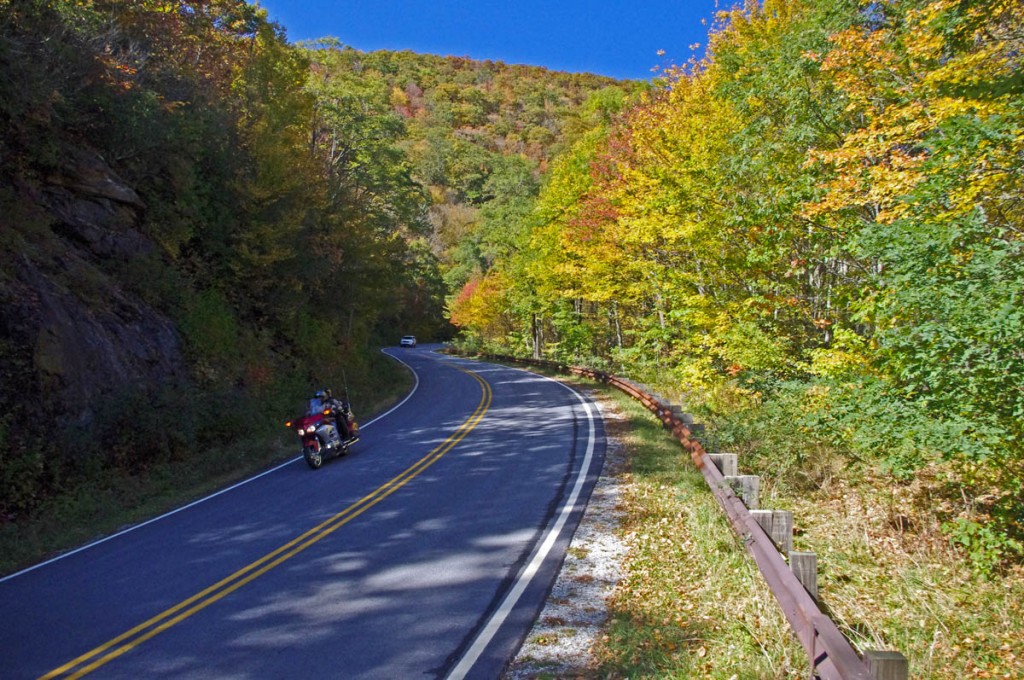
[(320, 394)]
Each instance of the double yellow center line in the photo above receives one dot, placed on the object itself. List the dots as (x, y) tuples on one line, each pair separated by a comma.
[(107, 652)]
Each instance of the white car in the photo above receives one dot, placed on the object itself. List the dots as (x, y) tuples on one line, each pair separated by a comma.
[(408, 341)]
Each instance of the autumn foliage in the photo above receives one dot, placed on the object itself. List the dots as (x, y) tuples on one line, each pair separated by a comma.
[(827, 207)]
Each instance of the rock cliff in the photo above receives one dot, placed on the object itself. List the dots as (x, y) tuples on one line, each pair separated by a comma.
[(85, 335)]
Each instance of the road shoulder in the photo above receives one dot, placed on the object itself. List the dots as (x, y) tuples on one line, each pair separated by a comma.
[(575, 610)]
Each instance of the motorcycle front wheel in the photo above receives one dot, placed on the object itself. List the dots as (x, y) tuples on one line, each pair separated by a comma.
[(313, 457)]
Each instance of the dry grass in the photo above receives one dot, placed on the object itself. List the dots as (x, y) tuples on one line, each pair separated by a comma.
[(692, 604), (892, 581)]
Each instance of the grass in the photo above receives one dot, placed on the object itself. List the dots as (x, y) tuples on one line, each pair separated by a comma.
[(107, 501), (901, 585), (692, 603)]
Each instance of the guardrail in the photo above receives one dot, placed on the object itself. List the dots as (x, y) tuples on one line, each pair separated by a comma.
[(794, 585)]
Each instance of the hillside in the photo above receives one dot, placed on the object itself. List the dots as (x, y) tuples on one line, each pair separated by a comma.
[(823, 217), (203, 222), (479, 136)]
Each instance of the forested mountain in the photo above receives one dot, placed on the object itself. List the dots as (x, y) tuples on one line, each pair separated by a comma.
[(821, 224), (201, 221), (477, 135)]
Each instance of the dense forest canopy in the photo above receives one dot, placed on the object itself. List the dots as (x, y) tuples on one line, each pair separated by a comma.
[(824, 220), (202, 222), (477, 136)]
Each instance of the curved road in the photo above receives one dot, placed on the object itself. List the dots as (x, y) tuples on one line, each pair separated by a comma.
[(426, 552)]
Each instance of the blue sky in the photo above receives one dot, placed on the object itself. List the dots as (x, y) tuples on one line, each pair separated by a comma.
[(613, 38)]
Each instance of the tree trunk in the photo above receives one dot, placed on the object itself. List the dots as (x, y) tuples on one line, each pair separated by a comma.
[(537, 339)]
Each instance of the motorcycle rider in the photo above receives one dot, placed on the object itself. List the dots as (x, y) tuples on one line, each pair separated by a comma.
[(339, 415), (316, 403)]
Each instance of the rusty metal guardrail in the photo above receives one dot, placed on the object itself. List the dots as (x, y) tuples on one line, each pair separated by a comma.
[(831, 655)]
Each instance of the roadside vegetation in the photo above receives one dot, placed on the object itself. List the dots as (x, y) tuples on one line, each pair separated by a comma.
[(812, 239), (692, 603), (890, 571), (819, 224), (98, 500)]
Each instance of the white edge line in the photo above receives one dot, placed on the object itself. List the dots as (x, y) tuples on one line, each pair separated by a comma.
[(499, 616), (213, 495), (399, 405)]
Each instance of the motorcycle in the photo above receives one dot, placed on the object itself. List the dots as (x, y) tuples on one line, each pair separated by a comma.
[(321, 438)]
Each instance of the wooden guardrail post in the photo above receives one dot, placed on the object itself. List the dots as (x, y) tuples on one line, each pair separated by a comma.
[(727, 463), (887, 665), (782, 530), (747, 487), (778, 524), (805, 566), (696, 429), (764, 519)]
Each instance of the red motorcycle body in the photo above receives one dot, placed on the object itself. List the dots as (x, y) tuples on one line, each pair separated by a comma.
[(319, 438)]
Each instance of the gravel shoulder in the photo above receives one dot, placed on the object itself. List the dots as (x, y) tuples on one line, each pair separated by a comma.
[(574, 614)]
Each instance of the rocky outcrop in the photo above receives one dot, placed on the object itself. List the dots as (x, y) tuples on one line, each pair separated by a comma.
[(88, 338), (84, 351), (94, 207)]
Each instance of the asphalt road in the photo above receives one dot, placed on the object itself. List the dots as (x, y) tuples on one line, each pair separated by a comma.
[(426, 552)]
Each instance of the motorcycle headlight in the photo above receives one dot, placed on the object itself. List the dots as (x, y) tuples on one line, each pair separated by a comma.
[(301, 432)]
